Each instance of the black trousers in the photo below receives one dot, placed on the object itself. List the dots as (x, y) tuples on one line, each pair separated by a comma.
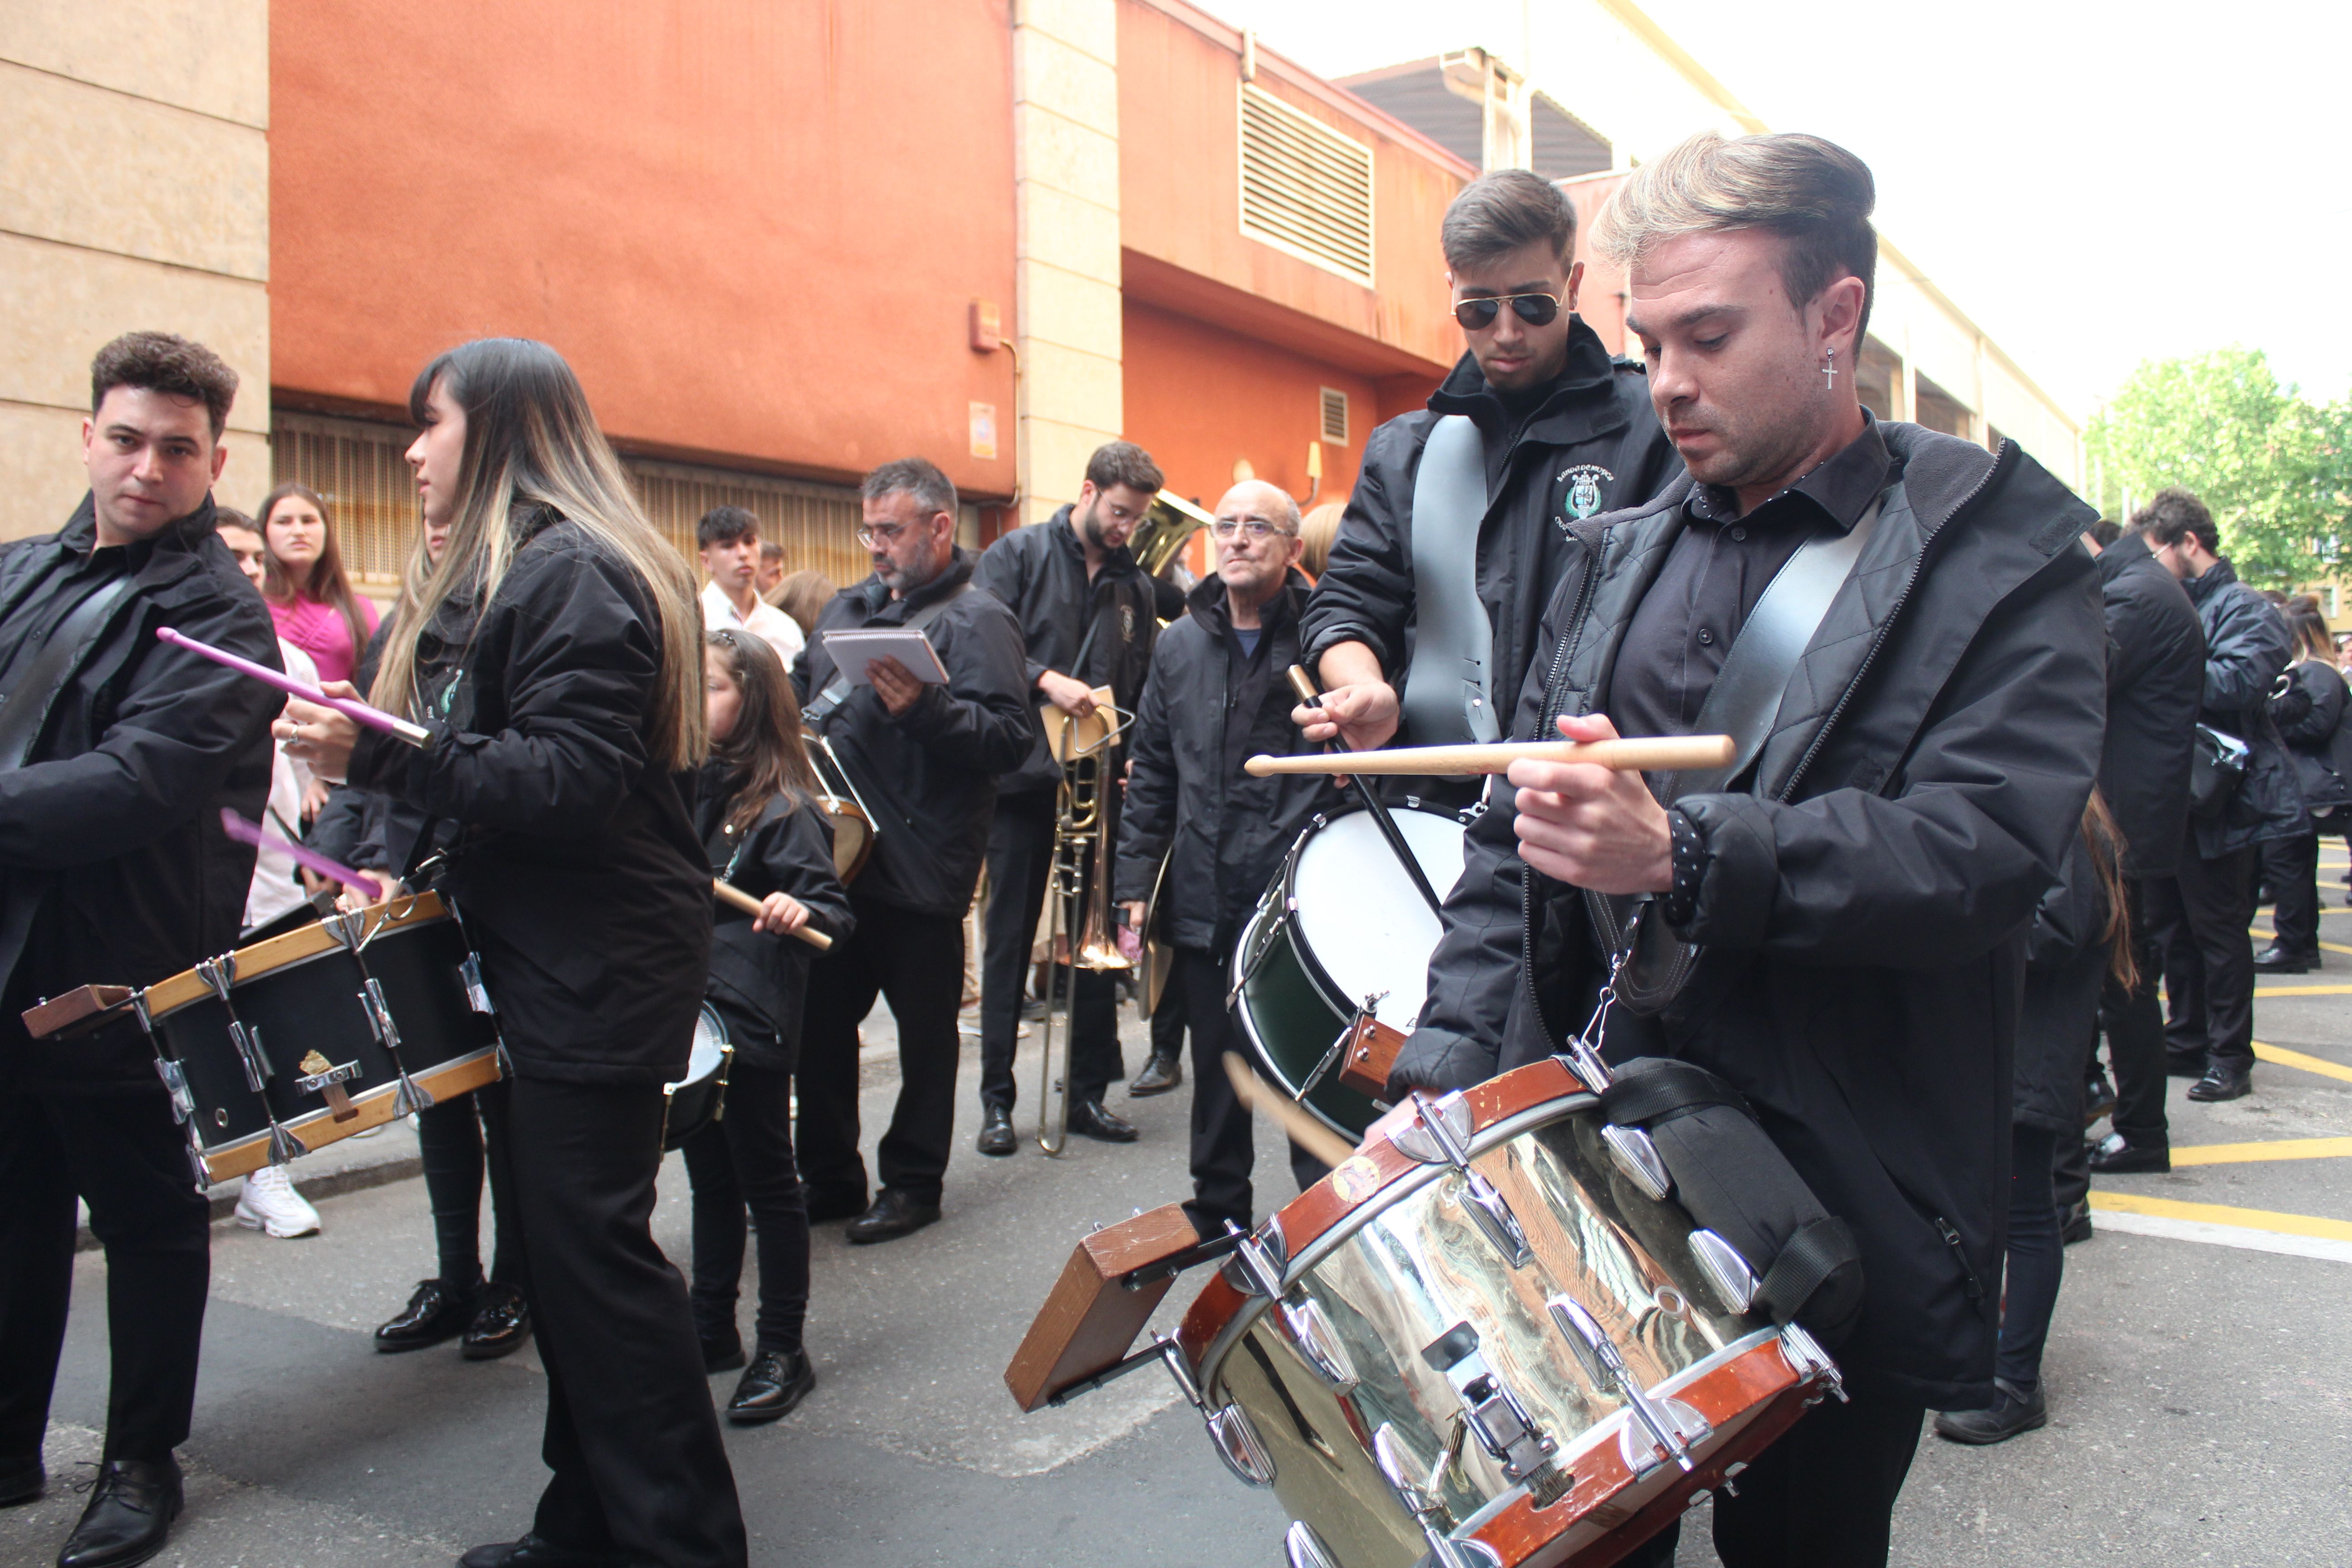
[(1168, 1020), (2134, 1023), (631, 1434), (915, 961), (2291, 866), (1223, 1151), (1821, 1496), (122, 1154), (455, 1156), (1019, 864), (2036, 1262), (739, 1164), (2200, 915)]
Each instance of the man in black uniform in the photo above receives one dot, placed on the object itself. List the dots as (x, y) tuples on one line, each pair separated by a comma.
[(1858, 891), (1085, 610), (1219, 694), (117, 752), (925, 757), (1565, 433)]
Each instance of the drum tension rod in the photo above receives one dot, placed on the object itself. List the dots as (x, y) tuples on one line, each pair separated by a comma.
[(1339, 1046), (1673, 1426)]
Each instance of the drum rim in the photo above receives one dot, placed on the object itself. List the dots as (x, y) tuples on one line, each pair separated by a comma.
[(302, 945), (718, 1028), (209, 1151), (1315, 978), (1320, 977), (837, 807)]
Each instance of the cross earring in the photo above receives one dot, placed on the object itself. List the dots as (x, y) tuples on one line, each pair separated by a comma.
[(1829, 369)]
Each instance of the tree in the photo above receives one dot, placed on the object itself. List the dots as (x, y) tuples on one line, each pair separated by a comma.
[(2274, 468)]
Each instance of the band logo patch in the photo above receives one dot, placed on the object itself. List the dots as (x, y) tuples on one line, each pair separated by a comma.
[(1583, 498)]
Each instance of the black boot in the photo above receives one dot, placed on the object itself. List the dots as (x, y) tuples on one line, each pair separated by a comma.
[(129, 1518), (433, 1314), (1159, 1075), (2012, 1413), (775, 1383), (996, 1134)]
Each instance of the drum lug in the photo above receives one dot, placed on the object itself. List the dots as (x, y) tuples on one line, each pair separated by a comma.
[(1239, 1446), (1723, 1268), (175, 1080), (1397, 1467), (1318, 1344), (1496, 1417), (1635, 1155), (1672, 1427), (477, 996), (1302, 1548), (249, 1055), (1809, 1361), (1440, 1135), (1260, 1259)]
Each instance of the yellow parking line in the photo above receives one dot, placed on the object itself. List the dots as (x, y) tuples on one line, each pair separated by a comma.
[(2251, 1154), (2328, 946), (2224, 1214), (2303, 990), (2286, 1058)]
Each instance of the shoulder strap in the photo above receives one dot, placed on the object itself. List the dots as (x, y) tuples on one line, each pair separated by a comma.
[(1446, 690), (30, 700), (835, 695)]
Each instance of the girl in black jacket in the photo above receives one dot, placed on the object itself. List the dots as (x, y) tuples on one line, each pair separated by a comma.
[(2308, 709), (766, 833)]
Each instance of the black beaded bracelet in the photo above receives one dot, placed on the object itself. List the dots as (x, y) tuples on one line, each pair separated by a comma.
[(1681, 902)]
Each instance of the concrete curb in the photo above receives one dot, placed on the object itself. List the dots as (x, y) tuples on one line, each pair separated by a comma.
[(327, 1184)]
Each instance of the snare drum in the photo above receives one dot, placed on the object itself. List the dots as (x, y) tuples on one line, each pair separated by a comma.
[(853, 824), (698, 1098), (303, 1039), (1480, 1342), (1341, 929)]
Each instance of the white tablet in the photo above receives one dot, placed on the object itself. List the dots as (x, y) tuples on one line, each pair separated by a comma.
[(853, 651)]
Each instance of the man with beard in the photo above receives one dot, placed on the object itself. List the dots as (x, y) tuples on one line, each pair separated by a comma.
[(1086, 611)]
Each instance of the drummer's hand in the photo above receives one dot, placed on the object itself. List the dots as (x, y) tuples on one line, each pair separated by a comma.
[(319, 738), (1364, 714), (780, 914), (894, 684), (1072, 697), (386, 890), (1592, 826), (314, 799)]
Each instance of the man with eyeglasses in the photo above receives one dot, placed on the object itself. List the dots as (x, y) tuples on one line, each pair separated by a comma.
[(1218, 694), (1565, 433), (1086, 609)]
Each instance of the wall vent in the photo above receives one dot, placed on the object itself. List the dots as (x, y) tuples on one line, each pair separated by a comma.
[(1335, 415), (1305, 188)]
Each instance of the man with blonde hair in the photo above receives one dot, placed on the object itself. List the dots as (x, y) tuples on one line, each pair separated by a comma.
[(1832, 926)]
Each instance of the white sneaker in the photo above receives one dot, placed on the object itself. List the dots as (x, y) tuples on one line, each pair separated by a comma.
[(269, 1203)]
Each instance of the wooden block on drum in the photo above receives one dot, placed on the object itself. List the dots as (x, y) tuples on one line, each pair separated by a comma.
[(87, 1006), (1371, 1053), (1090, 1320)]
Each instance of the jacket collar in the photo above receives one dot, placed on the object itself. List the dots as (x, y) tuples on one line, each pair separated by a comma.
[(1206, 603), (181, 536), (1579, 404), (2125, 553), (1064, 532), (958, 571), (1839, 490), (2215, 577)]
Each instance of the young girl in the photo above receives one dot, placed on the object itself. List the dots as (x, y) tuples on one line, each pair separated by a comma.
[(765, 834), (307, 594)]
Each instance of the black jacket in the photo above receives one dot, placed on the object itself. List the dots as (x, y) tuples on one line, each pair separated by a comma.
[(369, 831), (1039, 573), (1863, 915), (577, 870), (2247, 647), (2065, 964), (929, 776), (1596, 413), (2156, 678), (2309, 714), (114, 862), (761, 979), (1208, 708)]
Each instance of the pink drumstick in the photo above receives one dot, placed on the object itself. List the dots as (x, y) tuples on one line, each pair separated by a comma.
[(351, 707), (246, 832)]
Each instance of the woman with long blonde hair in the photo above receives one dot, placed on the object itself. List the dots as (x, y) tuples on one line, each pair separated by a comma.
[(554, 656)]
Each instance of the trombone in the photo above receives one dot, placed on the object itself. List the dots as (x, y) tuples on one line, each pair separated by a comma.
[(1078, 892)]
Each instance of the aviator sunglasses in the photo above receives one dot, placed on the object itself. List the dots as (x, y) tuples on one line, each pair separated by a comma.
[(1535, 310)]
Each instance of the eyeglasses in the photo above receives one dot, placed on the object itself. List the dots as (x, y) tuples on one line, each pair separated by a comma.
[(1227, 527), (874, 538), (1535, 310)]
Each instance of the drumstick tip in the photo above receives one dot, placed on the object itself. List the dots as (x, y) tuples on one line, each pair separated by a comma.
[(1257, 767)]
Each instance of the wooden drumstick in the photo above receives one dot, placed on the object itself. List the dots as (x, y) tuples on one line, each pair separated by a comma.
[(751, 906), (1666, 752), (1302, 1129)]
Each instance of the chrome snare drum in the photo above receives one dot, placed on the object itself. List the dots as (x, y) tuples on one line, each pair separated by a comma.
[(853, 824), (698, 1098)]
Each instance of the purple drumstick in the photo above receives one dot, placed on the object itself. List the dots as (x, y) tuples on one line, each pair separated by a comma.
[(247, 832), (351, 707)]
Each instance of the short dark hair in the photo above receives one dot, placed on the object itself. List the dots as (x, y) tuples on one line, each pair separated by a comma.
[(770, 550), (1503, 211), (2105, 531), (724, 525), (917, 476), (229, 517), (1124, 463), (2172, 514), (160, 362)]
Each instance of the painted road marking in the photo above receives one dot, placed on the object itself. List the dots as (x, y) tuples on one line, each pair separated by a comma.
[(2286, 1058), (2325, 946), (2302, 991), (2250, 1153), (2218, 1225)]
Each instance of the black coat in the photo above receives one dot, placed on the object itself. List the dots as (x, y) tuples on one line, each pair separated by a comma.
[(577, 871), (1596, 413), (115, 868), (756, 978), (2309, 714), (1039, 573), (367, 830), (2247, 647), (1207, 708), (1863, 913), (929, 776), (2065, 964), (2156, 679)]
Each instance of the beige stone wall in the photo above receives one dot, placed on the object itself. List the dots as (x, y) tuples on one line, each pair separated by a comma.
[(134, 193)]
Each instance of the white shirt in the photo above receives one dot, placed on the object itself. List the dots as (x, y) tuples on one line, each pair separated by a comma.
[(276, 886), (766, 622)]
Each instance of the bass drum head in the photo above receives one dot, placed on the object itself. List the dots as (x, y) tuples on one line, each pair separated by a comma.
[(1359, 919), (692, 1102), (853, 838)]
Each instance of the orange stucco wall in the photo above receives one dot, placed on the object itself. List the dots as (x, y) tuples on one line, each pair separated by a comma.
[(754, 228)]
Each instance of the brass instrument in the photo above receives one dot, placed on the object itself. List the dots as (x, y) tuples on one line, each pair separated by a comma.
[(1167, 525), (1078, 892)]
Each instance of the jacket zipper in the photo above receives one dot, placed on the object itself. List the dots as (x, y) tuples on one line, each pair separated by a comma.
[(1974, 1286), (1545, 714)]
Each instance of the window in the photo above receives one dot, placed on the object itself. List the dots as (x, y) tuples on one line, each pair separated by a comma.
[(1305, 188), (1335, 415)]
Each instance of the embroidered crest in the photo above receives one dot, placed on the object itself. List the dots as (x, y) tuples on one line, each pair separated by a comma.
[(1127, 623), (1583, 496)]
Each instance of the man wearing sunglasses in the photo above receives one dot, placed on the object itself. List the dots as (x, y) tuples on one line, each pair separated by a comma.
[(1565, 433)]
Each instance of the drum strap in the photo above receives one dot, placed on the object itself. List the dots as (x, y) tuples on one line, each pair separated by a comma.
[(1446, 698), (29, 701), (1806, 1261), (1669, 1088)]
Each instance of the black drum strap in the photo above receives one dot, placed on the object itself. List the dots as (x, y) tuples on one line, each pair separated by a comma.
[(1806, 1263), (1665, 1088)]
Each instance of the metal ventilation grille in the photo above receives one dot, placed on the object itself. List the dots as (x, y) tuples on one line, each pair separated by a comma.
[(1335, 415), (1305, 188)]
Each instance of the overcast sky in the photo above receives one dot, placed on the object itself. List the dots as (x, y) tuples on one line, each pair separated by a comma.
[(2095, 182)]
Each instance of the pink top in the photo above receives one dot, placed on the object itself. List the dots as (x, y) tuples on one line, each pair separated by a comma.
[(319, 631)]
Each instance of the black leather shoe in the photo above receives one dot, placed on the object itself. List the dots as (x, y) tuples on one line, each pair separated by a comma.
[(2098, 1098), (2114, 1155), (2277, 960), (22, 1480), (2183, 1064), (2012, 1413), (538, 1552), (894, 1215), (1089, 1120), (2076, 1225), (1159, 1075), (433, 1314), (500, 1324), (2222, 1081), (823, 1206), (775, 1383), (996, 1134), (129, 1518)]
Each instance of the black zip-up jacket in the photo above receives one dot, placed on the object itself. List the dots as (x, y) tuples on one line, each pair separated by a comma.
[(1596, 413), (2156, 678), (2065, 964), (756, 978), (1039, 573), (369, 831), (2310, 718), (114, 862), (1862, 914), (2247, 647), (1207, 708), (577, 870), (930, 775)]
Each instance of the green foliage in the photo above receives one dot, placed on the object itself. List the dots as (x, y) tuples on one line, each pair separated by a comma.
[(2274, 468)]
